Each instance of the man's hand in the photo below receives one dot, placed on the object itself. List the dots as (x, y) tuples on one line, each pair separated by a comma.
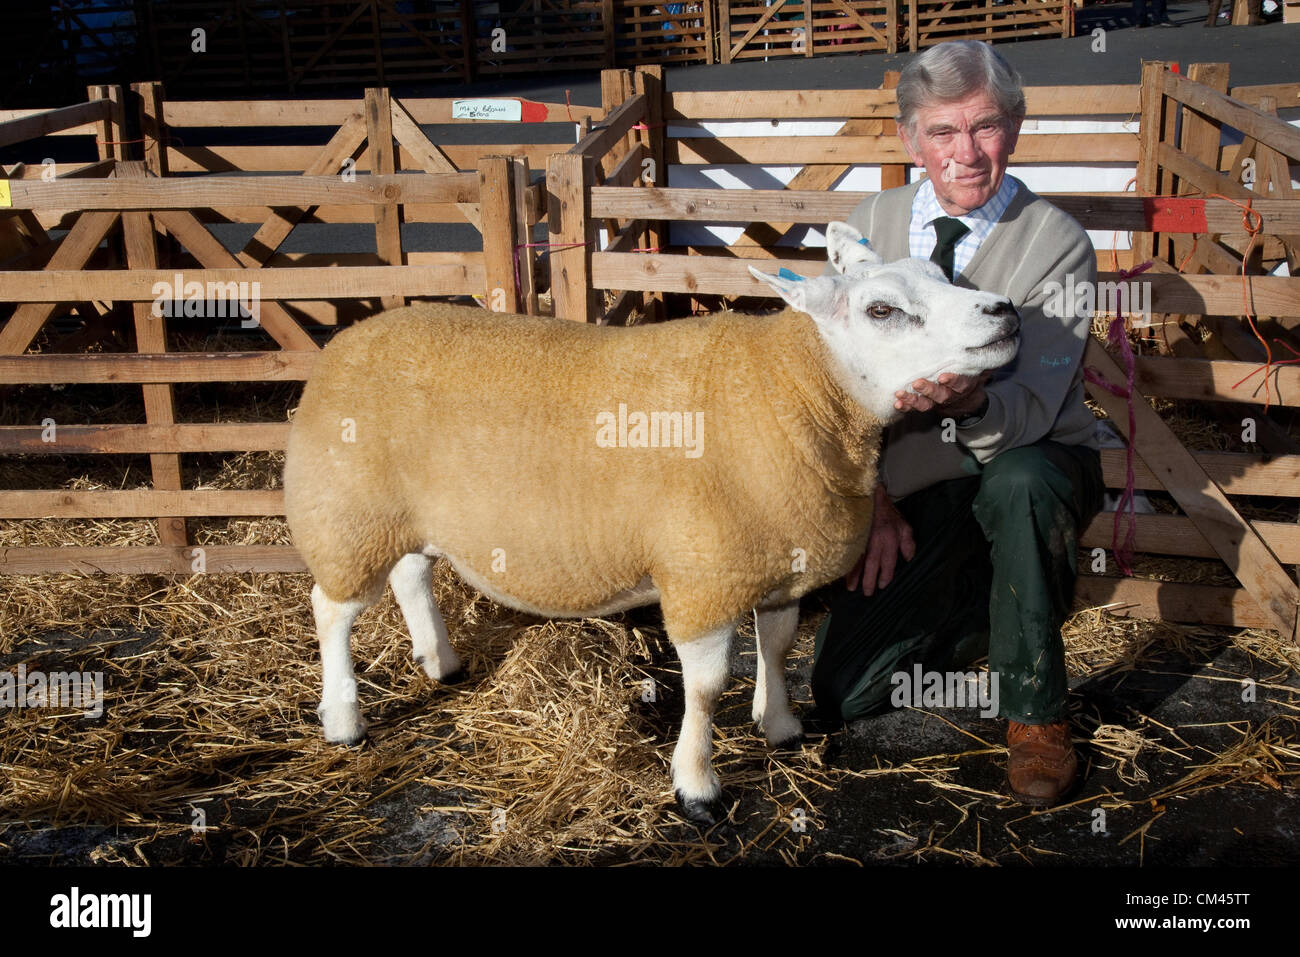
[(956, 394), (890, 537)]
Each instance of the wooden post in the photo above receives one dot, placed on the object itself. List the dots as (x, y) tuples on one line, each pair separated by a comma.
[(151, 337), (891, 27), (383, 161), (526, 255), (153, 127), (724, 30), (711, 29), (913, 30), (808, 36), (568, 178), (650, 81), (892, 175), (615, 87), (1148, 165), (1200, 140), (110, 133), (495, 185)]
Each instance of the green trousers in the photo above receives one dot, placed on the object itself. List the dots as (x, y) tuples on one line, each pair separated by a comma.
[(993, 574)]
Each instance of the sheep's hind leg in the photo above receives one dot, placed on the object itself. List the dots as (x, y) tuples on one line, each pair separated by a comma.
[(775, 631), (339, 710), (705, 669), (412, 581)]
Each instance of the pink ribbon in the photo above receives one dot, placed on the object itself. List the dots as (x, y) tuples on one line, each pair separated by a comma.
[(1117, 337)]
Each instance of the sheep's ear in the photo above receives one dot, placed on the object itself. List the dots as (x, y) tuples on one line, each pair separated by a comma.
[(846, 248), (811, 294)]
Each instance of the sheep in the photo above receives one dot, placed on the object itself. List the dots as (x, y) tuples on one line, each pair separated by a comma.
[(712, 464)]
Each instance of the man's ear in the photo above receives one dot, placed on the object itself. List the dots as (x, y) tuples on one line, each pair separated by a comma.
[(909, 145), (1013, 134), (814, 295), (847, 250)]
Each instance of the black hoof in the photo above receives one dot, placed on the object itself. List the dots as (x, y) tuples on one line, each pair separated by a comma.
[(822, 722), (455, 678), (701, 812), (790, 744)]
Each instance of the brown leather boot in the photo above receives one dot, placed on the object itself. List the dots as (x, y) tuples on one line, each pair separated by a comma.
[(1041, 765)]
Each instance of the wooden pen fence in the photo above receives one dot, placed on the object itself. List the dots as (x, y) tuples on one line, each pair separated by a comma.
[(636, 263), (142, 237)]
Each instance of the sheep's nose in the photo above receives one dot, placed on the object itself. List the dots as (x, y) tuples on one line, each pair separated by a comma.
[(1005, 310)]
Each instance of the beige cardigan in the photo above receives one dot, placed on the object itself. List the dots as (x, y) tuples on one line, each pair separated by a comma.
[(1040, 393)]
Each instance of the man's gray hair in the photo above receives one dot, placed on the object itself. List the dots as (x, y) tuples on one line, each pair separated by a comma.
[(954, 70)]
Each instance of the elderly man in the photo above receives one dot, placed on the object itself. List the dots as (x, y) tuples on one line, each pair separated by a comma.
[(985, 480)]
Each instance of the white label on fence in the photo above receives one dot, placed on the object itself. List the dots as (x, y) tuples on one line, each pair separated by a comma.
[(487, 110)]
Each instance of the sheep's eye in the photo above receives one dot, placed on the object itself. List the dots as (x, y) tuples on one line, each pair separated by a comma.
[(878, 310)]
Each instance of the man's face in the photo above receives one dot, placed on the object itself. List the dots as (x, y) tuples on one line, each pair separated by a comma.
[(964, 146)]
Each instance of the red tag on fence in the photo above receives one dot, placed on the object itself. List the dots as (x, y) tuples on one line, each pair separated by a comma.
[(533, 112), (1175, 215)]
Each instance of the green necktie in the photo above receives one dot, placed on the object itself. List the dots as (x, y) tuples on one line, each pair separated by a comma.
[(948, 231)]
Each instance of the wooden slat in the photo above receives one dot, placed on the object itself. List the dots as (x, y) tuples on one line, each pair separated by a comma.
[(495, 191), (627, 172), (615, 126), (1238, 473), (568, 181), (388, 217), (275, 159), (136, 438), (150, 560), (1286, 95), (1170, 378), (1120, 212), (1169, 293), (1040, 101), (1171, 601), (35, 125), (1178, 535), (801, 150), (156, 194), (151, 336), (57, 285), (138, 503), (281, 113), (779, 104), (47, 369), (1281, 136)]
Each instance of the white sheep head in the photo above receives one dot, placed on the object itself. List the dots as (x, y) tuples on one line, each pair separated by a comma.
[(889, 324)]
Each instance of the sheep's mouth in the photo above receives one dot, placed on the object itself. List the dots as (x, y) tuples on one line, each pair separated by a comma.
[(1009, 337)]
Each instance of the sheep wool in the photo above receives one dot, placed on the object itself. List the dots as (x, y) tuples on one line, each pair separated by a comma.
[(568, 470)]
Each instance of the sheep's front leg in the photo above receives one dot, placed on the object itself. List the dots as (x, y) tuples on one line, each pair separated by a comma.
[(412, 581), (775, 630), (705, 669), (339, 710)]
